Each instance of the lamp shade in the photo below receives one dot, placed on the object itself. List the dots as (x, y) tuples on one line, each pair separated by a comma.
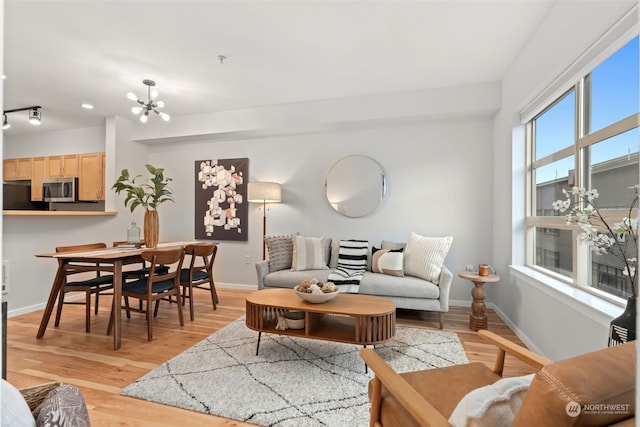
[(264, 192)]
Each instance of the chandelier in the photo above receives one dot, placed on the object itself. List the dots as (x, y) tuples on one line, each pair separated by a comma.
[(151, 105)]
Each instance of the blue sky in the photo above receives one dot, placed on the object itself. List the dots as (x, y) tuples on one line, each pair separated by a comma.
[(615, 95)]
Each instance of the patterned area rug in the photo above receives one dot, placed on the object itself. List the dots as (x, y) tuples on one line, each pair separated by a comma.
[(292, 382)]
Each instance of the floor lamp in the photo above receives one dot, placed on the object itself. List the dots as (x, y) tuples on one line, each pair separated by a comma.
[(264, 192)]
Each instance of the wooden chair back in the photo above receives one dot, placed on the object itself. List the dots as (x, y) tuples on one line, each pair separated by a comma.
[(206, 252), (163, 257)]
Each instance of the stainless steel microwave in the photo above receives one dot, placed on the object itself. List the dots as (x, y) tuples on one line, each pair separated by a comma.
[(60, 189)]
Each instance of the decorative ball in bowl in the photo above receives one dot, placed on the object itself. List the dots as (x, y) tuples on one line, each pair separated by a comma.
[(315, 292)]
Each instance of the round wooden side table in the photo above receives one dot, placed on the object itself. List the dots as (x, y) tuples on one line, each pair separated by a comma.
[(478, 318)]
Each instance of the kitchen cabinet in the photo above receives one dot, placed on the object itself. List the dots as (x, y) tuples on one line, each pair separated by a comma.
[(91, 182), (17, 169), (65, 166), (38, 168)]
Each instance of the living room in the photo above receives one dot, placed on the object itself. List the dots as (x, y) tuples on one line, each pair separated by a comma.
[(453, 156)]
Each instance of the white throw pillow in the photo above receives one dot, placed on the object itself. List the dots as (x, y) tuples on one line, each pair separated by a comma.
[(308, 253), (387, 261), (494, 405), (15, 410), (424, 256)]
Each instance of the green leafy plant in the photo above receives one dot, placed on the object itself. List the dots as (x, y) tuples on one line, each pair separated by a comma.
[(149, 193)]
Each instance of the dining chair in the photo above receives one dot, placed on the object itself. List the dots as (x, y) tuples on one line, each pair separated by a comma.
[(96, 285), (154, 286), (139, 272), (200, 272)]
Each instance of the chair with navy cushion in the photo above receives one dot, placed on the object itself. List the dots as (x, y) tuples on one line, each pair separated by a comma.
[(155, 286), (200, 272), (91, 286)]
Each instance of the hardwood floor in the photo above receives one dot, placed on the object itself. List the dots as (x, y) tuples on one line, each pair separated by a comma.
[(70, 355)]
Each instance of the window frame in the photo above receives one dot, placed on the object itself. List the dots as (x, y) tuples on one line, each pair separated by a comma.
[(582, 263)]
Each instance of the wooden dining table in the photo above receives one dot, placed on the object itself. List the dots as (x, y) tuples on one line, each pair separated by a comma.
[(109, 260)]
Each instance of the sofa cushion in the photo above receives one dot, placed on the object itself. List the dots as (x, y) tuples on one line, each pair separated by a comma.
[(15, 410), (603, 377), (387, 261), (424, 256), (280, 250), (493, 405), (63, 407), (309, 253), (393, 245), (392, 286), (290, 278)]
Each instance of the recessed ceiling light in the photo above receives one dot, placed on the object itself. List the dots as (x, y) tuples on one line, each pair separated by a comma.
[(4, 77), (87, 106)]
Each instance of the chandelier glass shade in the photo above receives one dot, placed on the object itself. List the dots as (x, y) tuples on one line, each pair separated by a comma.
[(152, 104)]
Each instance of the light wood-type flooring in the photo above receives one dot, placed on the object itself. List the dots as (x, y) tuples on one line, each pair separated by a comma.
[(88, 360)]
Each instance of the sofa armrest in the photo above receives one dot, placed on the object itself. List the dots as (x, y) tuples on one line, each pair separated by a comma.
[(416, 405), (444, 283), (262, 268)]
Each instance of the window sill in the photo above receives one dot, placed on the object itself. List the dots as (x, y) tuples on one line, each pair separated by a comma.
[(582, 301)]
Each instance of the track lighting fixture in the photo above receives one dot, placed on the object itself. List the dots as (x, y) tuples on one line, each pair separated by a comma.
[(151, 105), (35, 116)]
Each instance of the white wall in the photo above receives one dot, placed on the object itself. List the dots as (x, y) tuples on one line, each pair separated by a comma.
[(548, 322), (429, 167), (438, 170)]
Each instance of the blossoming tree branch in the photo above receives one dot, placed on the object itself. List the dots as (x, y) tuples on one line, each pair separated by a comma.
[(619, 239)]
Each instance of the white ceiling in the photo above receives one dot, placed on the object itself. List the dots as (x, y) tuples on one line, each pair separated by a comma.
[(59, 54)]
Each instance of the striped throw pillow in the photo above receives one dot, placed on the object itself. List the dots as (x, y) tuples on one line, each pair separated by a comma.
[(308, 253), (424, 256)]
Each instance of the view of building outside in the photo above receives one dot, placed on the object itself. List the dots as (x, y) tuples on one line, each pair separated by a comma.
[(613, 180), (601, 127)]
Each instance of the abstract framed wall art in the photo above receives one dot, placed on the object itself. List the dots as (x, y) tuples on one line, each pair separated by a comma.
[(221, 210)]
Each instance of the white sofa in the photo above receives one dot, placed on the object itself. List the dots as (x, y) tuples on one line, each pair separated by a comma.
[(407, 292)]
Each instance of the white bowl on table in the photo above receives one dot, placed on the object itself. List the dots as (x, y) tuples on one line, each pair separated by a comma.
[(316, 298)]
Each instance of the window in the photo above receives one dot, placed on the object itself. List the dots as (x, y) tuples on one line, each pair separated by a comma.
[(588, 137)]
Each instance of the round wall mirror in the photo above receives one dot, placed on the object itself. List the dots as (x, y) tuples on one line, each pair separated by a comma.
[(355, 186)]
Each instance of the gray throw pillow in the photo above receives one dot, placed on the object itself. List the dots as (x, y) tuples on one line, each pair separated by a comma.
[(280, 250), (63, 407)]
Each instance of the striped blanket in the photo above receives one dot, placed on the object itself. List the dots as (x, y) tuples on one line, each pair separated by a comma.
[(352, 262)]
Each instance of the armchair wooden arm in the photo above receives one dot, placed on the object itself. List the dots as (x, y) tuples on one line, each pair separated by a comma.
[(506, 346), (422, 411)]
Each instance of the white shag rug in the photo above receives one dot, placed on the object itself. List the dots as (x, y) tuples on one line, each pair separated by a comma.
[(292, 382)]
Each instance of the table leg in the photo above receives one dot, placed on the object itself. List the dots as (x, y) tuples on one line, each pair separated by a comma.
[(478, 319), (55, 291), (117, 292), (258, 345)]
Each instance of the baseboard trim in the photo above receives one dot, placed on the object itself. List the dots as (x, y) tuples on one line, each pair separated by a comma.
[(523, 337)]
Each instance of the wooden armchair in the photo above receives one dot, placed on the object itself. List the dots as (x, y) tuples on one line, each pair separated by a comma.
[(429, 397)]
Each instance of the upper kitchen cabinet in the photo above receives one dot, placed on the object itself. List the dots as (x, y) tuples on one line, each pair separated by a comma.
[(91, 180), (17, 169), (38, 166), (65, 166)]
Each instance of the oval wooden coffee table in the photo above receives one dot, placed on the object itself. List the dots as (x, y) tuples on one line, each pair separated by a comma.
[(349, 318)]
